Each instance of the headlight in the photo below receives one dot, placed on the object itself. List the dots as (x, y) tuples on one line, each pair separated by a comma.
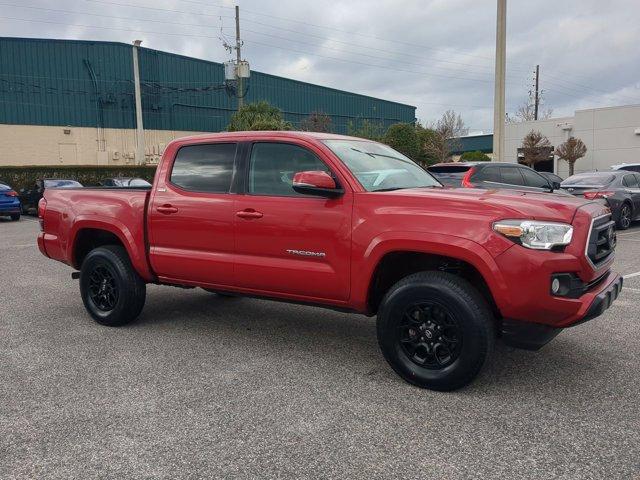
[(535, 235)]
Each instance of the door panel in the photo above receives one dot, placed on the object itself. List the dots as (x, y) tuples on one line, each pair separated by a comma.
[(295, 244), (191, 217)]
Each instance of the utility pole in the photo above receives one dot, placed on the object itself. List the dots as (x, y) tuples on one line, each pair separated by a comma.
[(536, 101), (499, 109), (240, 93), (139, 126)]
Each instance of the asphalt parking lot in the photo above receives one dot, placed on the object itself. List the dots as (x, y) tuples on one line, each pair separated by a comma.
[(208, 387)]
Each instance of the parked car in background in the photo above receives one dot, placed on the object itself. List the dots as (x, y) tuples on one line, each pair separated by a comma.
[(492, 175), (619, 188), (124, 182), (31, 196), (552, 177), (9, 202), (631, 167)]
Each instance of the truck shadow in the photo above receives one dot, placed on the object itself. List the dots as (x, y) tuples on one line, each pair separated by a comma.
[(308, 337)]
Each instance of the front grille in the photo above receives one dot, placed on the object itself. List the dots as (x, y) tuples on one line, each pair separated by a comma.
[(602, 240)]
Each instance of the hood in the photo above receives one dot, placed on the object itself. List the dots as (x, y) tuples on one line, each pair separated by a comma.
[(499, 203)]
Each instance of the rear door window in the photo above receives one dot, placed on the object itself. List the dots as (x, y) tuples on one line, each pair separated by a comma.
[(511, 176), (204, 168), (533, 179), (630, 181), (487, 174)]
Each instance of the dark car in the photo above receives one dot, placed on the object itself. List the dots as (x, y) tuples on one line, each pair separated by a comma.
[(492, 175), (552, 177), (124, 182), (9, 202), (31, 196), (631, 167), (619, 188)]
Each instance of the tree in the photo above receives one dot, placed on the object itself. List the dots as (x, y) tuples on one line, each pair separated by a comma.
[(316, 122), (258, 116), (476, 156), (428, 138), (535, 148), (366, 129), (404, 138), (448, 130), (526, 113), (570, 151)]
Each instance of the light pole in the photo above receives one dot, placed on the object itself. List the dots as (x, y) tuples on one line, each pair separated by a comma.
[(139, 126), (499, 109)]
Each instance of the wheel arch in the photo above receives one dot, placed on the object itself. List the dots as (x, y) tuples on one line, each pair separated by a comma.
[(89, 234), (389, 261)]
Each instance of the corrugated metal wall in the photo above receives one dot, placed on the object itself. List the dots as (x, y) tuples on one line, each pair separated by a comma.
[(90, 84)]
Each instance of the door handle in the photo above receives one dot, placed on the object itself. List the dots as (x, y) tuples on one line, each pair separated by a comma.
[(249, 213), (167, 209)]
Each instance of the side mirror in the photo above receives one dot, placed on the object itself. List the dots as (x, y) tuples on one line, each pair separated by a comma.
[(555, 185), (314, 182)]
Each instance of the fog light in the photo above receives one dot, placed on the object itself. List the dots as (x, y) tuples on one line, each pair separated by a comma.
[(555, 286)]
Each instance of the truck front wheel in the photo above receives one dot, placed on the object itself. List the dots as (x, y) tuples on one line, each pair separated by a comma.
[(112, 291), (435, 330)]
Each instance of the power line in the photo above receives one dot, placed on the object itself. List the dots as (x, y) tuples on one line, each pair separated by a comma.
[(448, 52)]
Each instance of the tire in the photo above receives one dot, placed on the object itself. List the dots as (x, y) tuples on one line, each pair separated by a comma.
[(446, 358), (625, 216), (15, 217), (112, 291)]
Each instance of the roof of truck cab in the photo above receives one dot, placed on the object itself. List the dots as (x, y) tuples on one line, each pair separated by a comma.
[(270, 134)]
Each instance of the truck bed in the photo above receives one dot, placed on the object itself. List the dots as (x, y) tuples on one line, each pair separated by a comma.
[(119, 210)]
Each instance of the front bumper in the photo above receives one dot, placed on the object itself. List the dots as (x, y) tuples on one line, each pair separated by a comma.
[(533, 336)]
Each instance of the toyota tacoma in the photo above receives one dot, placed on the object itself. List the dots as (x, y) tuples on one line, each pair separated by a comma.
[(347, 224)]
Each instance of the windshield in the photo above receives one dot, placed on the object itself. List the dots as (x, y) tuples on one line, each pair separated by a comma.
[(379, 167), (61, 184), (593, 179)]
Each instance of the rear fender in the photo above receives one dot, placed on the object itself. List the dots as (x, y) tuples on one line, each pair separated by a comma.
[(135, 250)]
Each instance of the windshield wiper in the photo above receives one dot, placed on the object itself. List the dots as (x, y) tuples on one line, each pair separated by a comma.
[(390, 189)]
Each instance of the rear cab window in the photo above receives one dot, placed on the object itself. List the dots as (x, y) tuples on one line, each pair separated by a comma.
[(206, 168)]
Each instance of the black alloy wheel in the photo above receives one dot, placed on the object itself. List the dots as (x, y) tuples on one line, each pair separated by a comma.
[(103, 290), (624, 221), (435, 330), (429, 335), (112, 291)]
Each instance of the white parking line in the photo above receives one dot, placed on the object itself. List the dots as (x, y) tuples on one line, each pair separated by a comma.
[(23, 245), (631, 275), (628, 234), (635, 290)]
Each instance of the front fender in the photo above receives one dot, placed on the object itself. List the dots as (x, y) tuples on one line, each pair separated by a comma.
[(428, 243)]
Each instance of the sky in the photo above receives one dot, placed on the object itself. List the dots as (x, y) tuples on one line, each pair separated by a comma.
[(433, 54)]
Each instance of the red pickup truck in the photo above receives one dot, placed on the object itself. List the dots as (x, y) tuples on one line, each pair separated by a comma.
[(347, 224)]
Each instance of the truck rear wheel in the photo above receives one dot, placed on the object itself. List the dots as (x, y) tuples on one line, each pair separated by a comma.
[(112, 291), (435, 330)]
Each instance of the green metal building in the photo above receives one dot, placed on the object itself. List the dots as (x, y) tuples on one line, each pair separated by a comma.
[(90, 84)]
